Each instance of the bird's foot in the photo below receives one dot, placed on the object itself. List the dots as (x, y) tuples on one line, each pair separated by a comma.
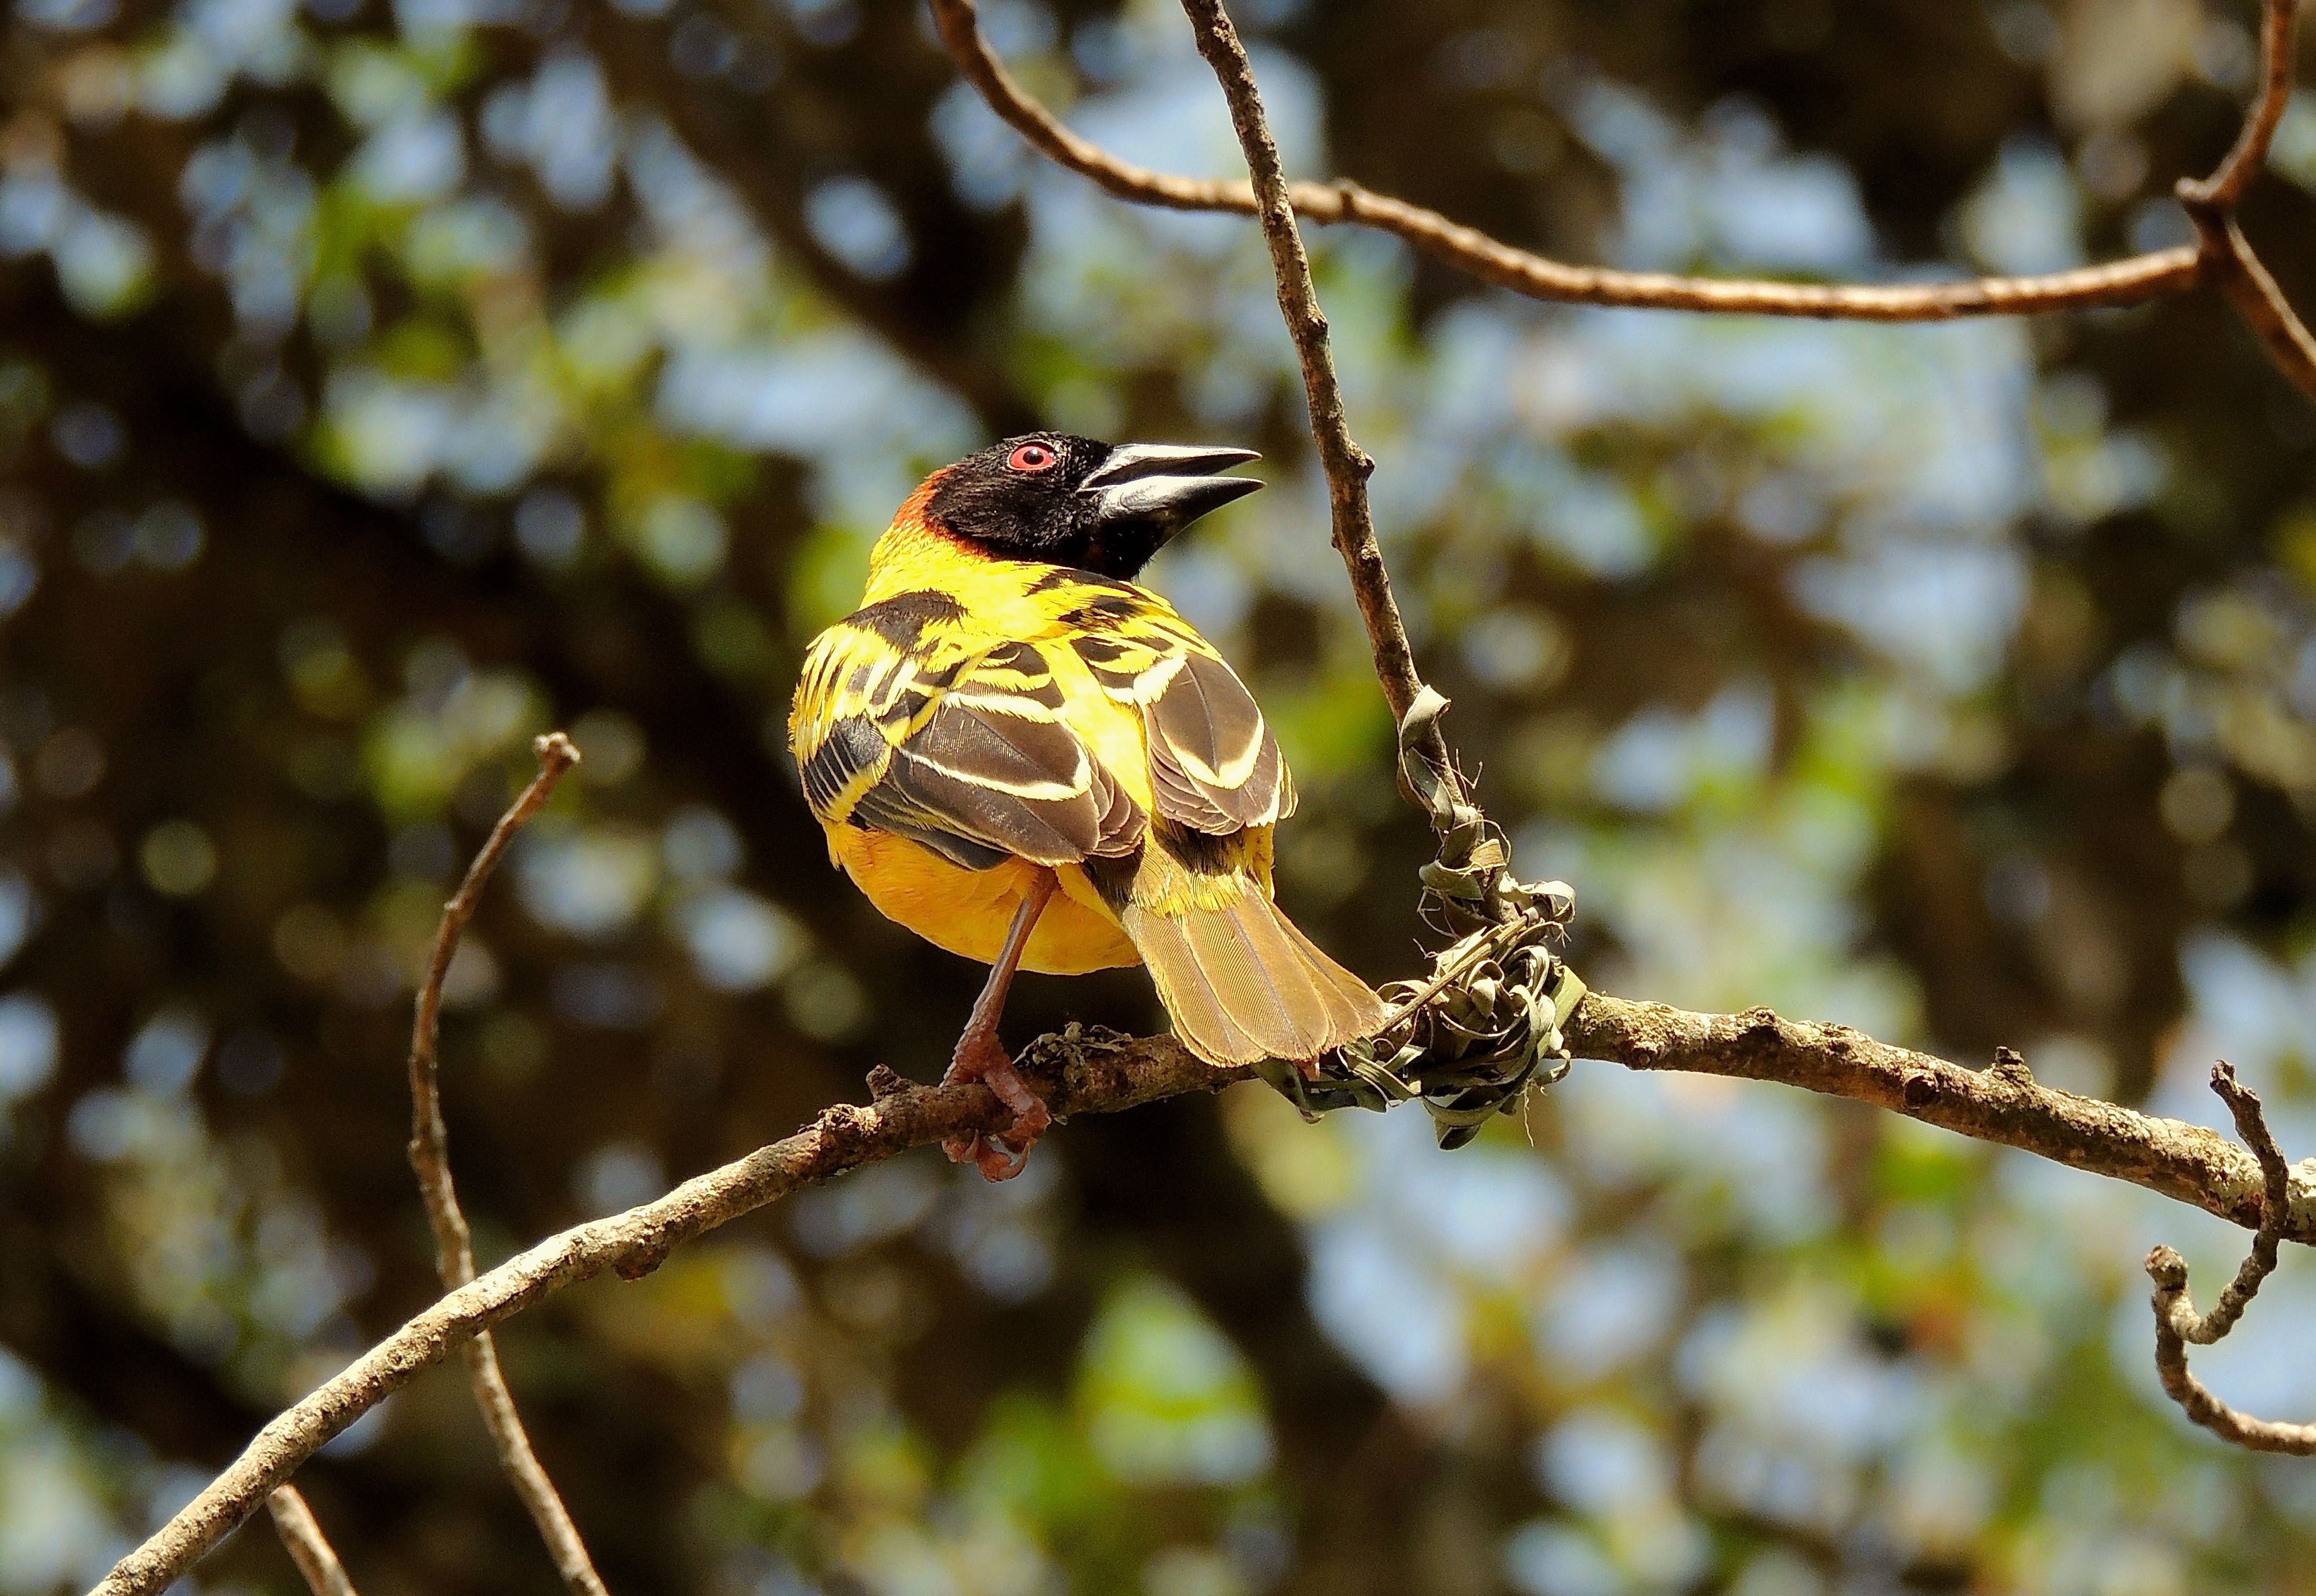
[(981, 1057)]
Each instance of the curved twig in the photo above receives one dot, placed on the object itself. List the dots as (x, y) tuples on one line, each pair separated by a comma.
[(2220, 257), (2225, 188), (2252, 292), (2128, 281), (2229, 261), (430, 1160), (2177, 1321)]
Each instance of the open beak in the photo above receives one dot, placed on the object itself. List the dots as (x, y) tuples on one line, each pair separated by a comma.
[(1163, 487)]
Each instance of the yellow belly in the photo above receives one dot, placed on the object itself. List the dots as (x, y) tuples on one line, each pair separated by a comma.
[(968, 912)]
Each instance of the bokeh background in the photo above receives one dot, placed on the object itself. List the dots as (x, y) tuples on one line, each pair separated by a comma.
[(380, 387)]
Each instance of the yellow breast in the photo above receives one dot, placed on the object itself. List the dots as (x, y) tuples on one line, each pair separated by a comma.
[(968, 912)]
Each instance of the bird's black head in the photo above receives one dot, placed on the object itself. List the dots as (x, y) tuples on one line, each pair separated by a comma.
[(1072, 501)]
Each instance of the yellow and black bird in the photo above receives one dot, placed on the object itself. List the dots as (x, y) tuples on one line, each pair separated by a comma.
[(1027, 759)]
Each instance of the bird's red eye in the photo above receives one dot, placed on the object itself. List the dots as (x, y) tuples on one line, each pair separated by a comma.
[(1032, 457)]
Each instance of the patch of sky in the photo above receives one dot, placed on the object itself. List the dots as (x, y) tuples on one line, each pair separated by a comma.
[(885, 1201), (561, 125), (1401, 1323), (1659, 759), (616, 1177), (20, 911), (738, 942), (989, 165), (418, 156), (167, 1052), (998, 1233), (258, 38), (833, 398), (1792, 1368), (1739, 1157), (589, 882), (103, 263), (1606, 1306), (28, 1046), (855, 220), (2061, 1237), (1388, 1267), (1738, 918), (1943, 612), (1545, 1558), (2025, 216), (2259, 1012), (689, 209), (1730, 196), (700, 844), (253, 223), (1599, 1461), (55, 1529)]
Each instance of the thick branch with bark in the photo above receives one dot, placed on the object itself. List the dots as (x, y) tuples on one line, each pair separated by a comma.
[(430, 1161), (2221, 257), (2004, 1103), (1092, 1072)]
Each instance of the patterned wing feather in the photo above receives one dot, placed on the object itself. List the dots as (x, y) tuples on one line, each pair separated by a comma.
[(1214, 765), (962, 749)]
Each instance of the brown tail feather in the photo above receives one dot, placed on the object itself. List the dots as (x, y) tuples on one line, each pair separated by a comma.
[(1243, 984)]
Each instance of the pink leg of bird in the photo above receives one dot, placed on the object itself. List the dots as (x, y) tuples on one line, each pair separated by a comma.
[(981, 1057)]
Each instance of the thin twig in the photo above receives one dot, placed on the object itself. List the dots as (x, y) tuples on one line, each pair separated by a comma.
[(2177, 1321), (308, 1547), (2220, 257), (2275, 1195), (2128, 281), (2252, 292), (2228, 260), (1347, 464), (1078, 1074), (430, 1158), (1098, 1075), (2225, 188)]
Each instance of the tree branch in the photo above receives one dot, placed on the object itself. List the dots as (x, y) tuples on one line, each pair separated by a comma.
[(2227, 260), (2223, 189), (2003, 1104), (1089, 1072), (2130, 281), (2221, 257), (430, 1160), (1076, 1073), (308, 1547), (2177, 1321), (2252, 292), (1347, 464)]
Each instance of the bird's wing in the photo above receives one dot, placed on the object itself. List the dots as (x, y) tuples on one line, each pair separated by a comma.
[(1213, 765), (955, 741)]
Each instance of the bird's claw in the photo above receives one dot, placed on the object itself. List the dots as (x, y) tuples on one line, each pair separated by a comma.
[(982, 1058)]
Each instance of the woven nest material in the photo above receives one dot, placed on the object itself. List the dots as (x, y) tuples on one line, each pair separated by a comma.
[(1470, 1041)]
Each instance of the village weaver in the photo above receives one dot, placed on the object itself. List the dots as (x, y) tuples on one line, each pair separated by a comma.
[(1027, 759)]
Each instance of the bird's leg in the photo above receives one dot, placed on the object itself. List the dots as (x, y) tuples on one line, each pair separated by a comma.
[(981, 1057)]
